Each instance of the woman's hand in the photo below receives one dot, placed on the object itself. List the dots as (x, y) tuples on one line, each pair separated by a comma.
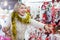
[(47, 28), (5, 29)]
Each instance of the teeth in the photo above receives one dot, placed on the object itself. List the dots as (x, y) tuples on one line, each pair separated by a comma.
[(58, 30)]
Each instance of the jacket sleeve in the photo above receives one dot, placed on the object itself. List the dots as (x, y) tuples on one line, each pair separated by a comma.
[(35, 23)]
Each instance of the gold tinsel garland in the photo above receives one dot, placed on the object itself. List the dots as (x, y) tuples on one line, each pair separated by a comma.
[(22, 20)]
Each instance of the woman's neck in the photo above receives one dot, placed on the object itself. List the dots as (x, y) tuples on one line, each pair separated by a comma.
[(23, 16)]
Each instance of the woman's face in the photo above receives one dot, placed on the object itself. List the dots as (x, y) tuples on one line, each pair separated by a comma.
[(22, 10)]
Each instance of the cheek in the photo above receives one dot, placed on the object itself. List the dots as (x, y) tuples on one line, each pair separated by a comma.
[(21, 10)]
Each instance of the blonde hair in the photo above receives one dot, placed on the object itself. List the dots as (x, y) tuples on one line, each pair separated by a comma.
[(17, 5)]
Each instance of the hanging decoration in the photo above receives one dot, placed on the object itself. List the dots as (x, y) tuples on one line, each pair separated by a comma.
[(47, 7), (55, 0)]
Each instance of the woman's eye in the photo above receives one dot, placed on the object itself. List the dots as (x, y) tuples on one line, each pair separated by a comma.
[(23, 7)]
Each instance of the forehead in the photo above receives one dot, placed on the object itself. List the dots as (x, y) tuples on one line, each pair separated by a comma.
[(22, 5)]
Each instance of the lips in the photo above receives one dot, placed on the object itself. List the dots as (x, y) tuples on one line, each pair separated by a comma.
[(23, 11)]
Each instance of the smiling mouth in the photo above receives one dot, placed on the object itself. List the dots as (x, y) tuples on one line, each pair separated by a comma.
[(23, 12), (58, 30)]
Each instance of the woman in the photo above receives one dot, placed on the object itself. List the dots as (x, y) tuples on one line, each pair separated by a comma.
[(20, 19)]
